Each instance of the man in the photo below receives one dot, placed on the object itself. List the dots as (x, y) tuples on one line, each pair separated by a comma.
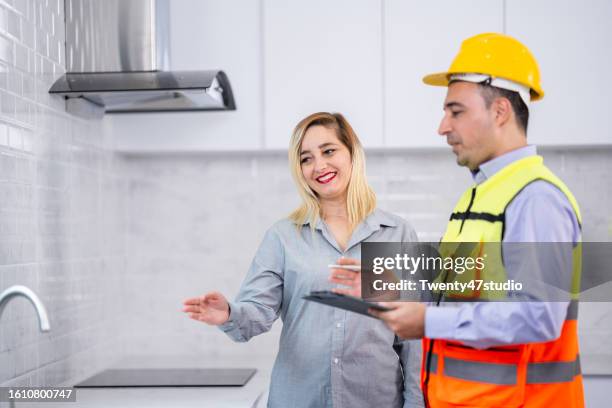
[(491, 354)]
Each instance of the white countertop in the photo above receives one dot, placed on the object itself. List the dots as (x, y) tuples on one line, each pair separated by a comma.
[(251, 395)]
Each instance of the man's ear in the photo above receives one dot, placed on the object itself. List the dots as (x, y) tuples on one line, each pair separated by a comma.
[(503, 110)]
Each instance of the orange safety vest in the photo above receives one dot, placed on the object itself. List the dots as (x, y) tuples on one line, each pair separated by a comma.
[(526, 375)]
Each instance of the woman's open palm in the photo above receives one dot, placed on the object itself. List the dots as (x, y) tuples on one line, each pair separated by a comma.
[(211, 308)]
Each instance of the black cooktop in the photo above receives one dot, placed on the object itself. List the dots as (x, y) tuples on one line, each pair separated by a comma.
[(170, 377)]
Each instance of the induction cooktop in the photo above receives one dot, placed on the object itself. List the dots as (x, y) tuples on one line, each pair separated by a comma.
[(170, 377)]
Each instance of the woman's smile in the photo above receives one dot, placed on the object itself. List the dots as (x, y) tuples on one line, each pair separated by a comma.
[(326, 177)]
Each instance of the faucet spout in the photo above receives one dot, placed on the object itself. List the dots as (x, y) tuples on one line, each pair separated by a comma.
[(19, 290)]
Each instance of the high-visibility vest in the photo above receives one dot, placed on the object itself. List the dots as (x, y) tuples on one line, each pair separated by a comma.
[(543, 374)]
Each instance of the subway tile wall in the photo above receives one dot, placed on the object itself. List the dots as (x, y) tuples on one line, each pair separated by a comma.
[(62, 210), (195, 222)]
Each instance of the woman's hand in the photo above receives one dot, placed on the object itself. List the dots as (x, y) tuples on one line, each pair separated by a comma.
[(212, 308), (346, 277)]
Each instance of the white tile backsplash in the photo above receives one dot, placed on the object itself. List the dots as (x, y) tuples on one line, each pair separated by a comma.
[(195, 222), (58, 183)]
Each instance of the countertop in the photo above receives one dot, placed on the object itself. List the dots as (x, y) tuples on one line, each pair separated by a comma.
[(251, 395)]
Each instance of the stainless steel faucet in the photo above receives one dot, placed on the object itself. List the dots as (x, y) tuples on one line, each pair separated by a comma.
[(19, 290)]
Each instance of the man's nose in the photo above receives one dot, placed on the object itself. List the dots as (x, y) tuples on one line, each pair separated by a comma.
[(444, 127)]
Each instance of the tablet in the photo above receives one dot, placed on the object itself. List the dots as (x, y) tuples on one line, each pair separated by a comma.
[(345, 302)]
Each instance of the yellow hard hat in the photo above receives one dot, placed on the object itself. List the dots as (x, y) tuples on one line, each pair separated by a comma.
[(495, 55)]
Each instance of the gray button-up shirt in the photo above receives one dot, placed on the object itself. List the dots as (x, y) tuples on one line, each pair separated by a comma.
[(327, 357)]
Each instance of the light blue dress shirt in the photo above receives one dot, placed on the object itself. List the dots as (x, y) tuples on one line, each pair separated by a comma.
[(539, 213), (327, 357)]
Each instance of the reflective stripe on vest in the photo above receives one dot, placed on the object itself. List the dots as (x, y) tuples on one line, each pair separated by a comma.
[(478, 216), (506, 374)]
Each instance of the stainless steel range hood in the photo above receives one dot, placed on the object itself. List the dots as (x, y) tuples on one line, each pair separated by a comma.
[(117, 58)]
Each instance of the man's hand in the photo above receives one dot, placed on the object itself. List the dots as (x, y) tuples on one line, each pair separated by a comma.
[(407, 319)]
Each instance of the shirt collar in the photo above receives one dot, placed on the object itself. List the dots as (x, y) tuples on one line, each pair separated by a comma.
[(487, 169), (371, 224), (376, 219), (380, 219)]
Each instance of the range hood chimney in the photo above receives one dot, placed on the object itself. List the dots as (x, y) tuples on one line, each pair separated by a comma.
[(117, 58)]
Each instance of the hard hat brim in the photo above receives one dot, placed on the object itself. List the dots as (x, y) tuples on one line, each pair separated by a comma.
[(442, 79), (437, 79)]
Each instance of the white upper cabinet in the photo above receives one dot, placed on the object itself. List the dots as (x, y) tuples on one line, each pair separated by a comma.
[(366, 59), (422, 37), (572, 41), (204, 35), (322, 55)]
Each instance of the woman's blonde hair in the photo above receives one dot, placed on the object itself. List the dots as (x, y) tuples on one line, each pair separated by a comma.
[(361, 200)]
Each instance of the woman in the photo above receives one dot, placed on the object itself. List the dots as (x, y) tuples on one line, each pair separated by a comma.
[(327, 356)]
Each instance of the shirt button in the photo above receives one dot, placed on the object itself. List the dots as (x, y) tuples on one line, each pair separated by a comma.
[(336, 361), (338, 325)]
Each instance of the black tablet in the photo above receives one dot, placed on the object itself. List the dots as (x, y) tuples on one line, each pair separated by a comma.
[(345, 302)]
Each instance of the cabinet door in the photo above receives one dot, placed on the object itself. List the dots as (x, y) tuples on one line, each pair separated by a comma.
[(572, 41), (206, 34), (322, 55), (422, 38)]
